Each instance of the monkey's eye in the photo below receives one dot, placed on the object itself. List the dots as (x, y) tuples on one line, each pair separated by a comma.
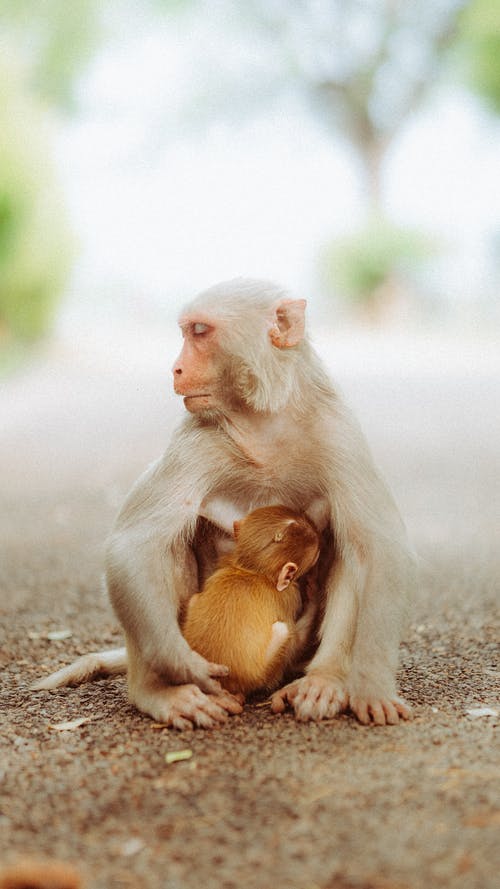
[(198, 328)]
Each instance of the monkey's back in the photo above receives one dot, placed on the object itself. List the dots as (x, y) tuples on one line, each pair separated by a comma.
[(230, 622)]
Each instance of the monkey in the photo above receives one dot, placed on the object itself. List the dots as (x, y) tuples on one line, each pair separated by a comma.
[(247, 614), (264, 425)]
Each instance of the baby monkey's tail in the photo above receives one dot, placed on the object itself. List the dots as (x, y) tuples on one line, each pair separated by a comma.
[(90, 666)]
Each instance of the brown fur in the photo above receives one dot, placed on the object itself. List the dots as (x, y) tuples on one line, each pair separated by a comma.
[(232, 621)]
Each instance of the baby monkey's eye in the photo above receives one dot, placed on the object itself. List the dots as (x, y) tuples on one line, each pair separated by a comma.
[(199, 328)]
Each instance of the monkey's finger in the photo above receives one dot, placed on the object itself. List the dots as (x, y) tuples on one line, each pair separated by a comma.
[(307, 694), (211, 706), (329, 704), (180, 723), (318, 704), (391, 714), (278, 704), (218, 670), (210, 686), (205, 720), (279, 701), (207, 716), (377, 713), (402, 708), (360, 708), (198, 707), (229, 702), (284, 697)]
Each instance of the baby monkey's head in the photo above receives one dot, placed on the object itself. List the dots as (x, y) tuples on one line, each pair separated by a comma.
[(277, 542)]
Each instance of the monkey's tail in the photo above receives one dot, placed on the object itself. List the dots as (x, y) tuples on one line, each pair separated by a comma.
[(89, 666)]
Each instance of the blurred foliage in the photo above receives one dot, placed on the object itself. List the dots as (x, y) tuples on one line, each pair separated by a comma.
[(46, 45), (54, 40), (363, 67), (479, 49), (358, 266), (35, 247)]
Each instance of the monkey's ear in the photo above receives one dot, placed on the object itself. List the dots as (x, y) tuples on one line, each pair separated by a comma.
[(288, 323), (286, 575), (236, 529)]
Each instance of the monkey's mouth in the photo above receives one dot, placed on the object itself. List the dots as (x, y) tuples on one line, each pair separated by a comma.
[(197, 402)]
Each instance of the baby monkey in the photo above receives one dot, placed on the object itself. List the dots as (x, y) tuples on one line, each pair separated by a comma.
[(248, 614)]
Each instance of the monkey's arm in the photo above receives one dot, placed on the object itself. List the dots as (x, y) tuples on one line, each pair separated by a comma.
[(151, 571), (371, 683)]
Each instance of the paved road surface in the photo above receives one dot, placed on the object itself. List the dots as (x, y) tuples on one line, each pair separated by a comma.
[(263, 803)]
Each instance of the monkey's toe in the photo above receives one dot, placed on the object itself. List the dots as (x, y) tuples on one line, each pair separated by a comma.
[(374, 710), (313, 697)]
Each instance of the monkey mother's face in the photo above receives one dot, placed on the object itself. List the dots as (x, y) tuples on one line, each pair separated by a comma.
[(196, 371)]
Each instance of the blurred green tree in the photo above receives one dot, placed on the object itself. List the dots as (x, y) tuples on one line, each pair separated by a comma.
[(369, 265), (478, 46), (45, 45), (35, 244), (53, 40), (363, 66)]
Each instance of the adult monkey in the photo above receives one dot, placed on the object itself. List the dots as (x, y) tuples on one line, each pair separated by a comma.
[(265, 427)]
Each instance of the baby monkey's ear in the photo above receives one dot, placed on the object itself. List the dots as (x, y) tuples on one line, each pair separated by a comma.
[(236, 529), (286, 575)]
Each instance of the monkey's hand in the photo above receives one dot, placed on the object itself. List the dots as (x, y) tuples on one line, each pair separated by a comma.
[(313, 697), (187, 696), (376, 708), (200, 671), (184, 706), (185, 666)]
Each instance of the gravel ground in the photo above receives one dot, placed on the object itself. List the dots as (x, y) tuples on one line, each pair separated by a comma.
[(263, 803)]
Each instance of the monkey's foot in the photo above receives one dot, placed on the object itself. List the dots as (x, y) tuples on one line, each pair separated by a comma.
[(379, 709), (186, 706), (312, 697)]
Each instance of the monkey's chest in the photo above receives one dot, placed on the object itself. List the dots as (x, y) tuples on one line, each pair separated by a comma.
[(221, 508), (240, 485)]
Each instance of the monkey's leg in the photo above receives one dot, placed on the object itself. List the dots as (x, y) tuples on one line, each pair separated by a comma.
[(372, 689), (178, 706), (322, 692)]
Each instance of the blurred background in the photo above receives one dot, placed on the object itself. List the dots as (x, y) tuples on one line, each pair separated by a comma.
[(347, 148)]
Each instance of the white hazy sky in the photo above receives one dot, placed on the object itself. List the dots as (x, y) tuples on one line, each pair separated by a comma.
[(158, 217)]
